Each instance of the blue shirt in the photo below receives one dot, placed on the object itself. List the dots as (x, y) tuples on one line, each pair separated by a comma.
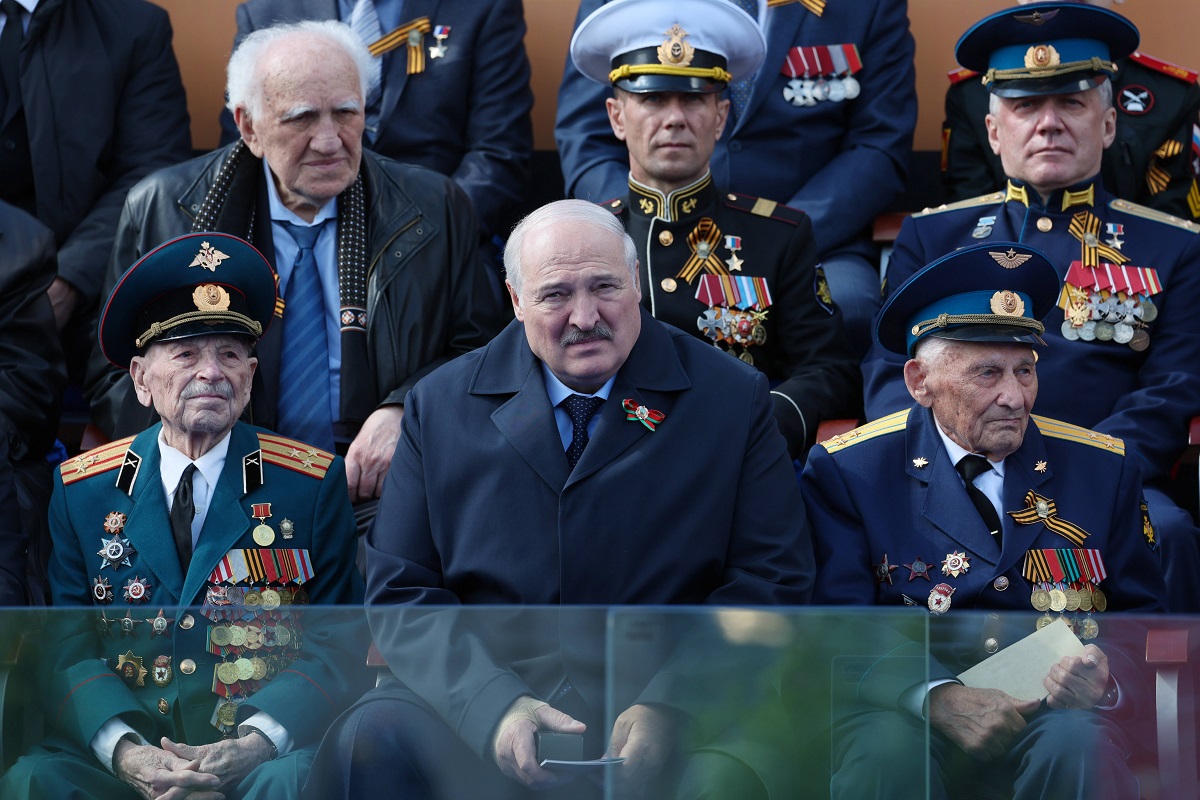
[(558, 391)]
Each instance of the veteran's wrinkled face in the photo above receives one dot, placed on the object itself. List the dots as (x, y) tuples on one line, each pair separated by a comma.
[(1051, 141), (670, 135), (199, 386), (981, 393), (579, 302), (311, 125)]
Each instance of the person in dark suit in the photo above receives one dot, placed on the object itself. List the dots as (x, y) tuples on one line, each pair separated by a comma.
[(840, 159), (1126, 343), (96, 103), (454, 95), (756, 291), (32, 376), (1050, 517), (192, 669), (1149, 161), (398, 287), (575, 433)]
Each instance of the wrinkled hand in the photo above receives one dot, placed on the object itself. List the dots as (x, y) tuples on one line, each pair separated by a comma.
[(1078, 681), (156, 773), (370, 453), (645, 736), (515, 748), (230, 760), (983, 722), (63, 298)]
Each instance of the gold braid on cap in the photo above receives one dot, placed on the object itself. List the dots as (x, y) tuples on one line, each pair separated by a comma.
[(628, 70), (1095, 64), (945, 320)]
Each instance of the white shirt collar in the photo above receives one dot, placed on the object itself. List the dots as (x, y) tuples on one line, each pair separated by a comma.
[(172, 463), (957, 453)]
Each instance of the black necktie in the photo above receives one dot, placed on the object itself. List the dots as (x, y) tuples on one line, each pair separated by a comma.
[(971, 467), (183, 511), (10, 47), (581, 409)]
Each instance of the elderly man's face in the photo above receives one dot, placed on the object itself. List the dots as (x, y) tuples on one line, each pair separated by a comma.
[(199, 385), (579, 302), (1053, 141), (670, 135), (981, 393), (311, 125)]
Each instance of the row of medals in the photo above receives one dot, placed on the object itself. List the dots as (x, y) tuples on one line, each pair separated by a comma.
[(736, 327), (265, 598), (809, 92), (1070, 599), (1112, 319), (250, 668)]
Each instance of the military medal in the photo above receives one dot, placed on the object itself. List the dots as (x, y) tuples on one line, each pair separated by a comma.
[(244, 669), (227, 673), (983, 228), (237, 636), (102, 591), (799, 90), (219, 635), (227, 714), (918, 569), (733, 244), (939, 598), (137, 590), (260, 669), (127, 625), (1072, 602), (440, 33), (102, 625), (884, 570), (1044, 620), (282, 635), (1040, 600), (270, 597), (115, 522), (1058, 599), (1091, 629), (955, 564), (160, 625), (130, 668), (263, 535), (254, 637), (253, 598), (160, 671), (287, 528), (1099, 601), (115, 551)]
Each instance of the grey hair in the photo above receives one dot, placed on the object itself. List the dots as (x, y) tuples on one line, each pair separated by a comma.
[(1105, 88), (579, 212), (243, 85), (931, 351)]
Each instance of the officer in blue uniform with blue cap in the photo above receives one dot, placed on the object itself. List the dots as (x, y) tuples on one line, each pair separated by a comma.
[(967, 501), (738, 271), (193, 545), (1126, 338)]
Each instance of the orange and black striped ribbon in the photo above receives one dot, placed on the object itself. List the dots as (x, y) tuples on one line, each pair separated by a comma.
[(706, 233), (416, 52), (1030, 515), (1084, 226), (815, 6)]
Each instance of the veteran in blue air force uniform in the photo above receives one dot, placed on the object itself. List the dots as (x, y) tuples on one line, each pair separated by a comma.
[(740, 272), (1124, 336), (195, 565), (1050, 522)]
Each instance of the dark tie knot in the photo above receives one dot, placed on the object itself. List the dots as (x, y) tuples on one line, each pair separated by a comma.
[(971, 467), (11, 10), (305, 236), (581, 408)]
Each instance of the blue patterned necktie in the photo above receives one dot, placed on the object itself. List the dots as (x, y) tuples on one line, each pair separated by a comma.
[(304, 359), (364, 20), (740, 90), (580, 408)]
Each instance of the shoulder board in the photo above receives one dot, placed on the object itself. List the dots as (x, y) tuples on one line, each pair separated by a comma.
[(294, 455), (970, 202), (889, 424), (1154, 214), (1057, 429), (102, 459), (961, 74), (762, 207), (616, 205), (1165, 67)]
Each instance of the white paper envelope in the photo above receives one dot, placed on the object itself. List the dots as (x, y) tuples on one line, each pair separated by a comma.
[(1020, 668)]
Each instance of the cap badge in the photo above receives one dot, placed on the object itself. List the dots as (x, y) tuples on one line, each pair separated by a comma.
[(209, 257), (674, 51), (1036, 18), (1008, 304), (1010, 260), (210, 297), (1041, 56)]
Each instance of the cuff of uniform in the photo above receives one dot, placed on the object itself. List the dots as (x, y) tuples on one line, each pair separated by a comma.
[(104, 743), (915, 701), (265, 724)]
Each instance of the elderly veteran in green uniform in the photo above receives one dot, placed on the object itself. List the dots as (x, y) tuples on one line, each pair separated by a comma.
[(967, 501), (194, 544), (738, 271)]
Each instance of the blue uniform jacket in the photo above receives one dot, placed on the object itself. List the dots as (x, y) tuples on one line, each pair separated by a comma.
[(313, 682), (1144, 397), (840, 163)]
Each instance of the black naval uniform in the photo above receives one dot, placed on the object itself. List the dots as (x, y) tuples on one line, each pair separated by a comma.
[(1149, 162), (767, 301)]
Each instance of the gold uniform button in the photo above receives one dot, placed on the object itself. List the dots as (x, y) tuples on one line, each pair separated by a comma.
[(666, 238), (991, 645), (187, 621), (187, 666), (668, 284), (1045, 224)]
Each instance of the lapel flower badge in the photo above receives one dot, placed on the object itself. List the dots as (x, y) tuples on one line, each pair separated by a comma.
[(635, 412)]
